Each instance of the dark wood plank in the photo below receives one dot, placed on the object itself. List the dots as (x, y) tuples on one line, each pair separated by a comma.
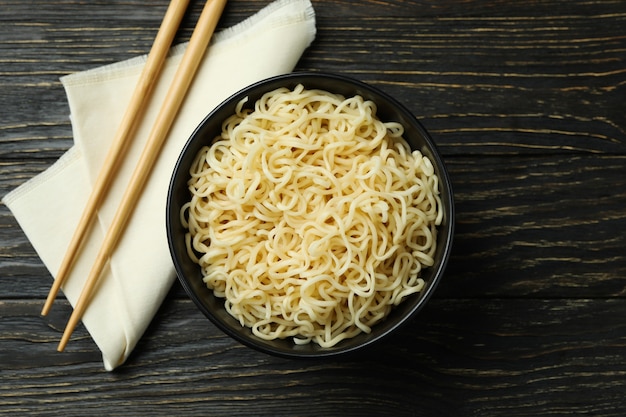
[(487, 85), (548, 226), (540, 82), (459, 357), (539, 226)]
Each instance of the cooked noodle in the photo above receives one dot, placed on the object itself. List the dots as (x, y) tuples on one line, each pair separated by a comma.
[(311, 217)]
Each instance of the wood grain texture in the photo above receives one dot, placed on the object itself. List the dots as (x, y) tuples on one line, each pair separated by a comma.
[(526, 103), (498, 357), (516, 219)]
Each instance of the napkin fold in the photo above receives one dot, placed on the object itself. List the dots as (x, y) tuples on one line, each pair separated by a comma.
[(48, 207)]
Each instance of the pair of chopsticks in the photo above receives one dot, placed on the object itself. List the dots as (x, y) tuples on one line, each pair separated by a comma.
[(183, 77)]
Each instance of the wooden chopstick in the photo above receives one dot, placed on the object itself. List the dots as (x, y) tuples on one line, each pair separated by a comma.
[(183, 77), (136, 106)]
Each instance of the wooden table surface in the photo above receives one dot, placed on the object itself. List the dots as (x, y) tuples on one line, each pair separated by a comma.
[(527, 102)]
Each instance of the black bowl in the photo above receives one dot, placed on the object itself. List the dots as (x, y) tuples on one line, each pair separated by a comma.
[(189, 273)]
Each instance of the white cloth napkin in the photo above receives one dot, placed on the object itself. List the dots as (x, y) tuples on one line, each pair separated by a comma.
[(48, 206)]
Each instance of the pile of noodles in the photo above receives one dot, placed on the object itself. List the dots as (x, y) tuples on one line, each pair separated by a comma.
[(311, 217)]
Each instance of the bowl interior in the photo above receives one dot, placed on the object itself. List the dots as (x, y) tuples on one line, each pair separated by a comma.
[(189, 273)]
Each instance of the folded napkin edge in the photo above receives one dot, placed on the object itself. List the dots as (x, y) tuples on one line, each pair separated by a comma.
[(307, 13), (67, 158)]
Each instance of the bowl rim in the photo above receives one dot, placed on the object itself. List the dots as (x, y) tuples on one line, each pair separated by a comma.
[(438, 269)]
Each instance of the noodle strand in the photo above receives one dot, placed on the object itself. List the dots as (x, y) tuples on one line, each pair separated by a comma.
[(310, 216)]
